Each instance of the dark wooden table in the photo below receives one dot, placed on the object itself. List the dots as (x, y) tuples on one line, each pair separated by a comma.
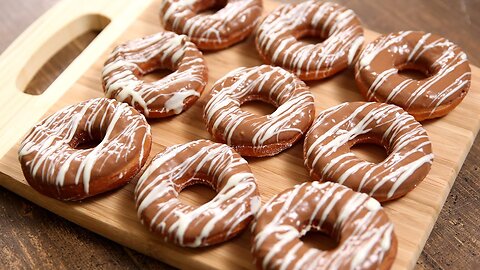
[(31, 237)]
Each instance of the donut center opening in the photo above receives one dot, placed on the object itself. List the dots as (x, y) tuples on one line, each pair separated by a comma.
[(197, 194), (217, 5), (369, 151), (319, 240), (156, 75), (258, 107), (310, 37), (414, 71)]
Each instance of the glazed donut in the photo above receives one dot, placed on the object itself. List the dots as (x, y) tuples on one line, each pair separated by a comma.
[(328, 157), (55, 165), (277, 38), (205, 162), (444, 63), (168, 96), (229, 25), (363, 231), (254, 135)]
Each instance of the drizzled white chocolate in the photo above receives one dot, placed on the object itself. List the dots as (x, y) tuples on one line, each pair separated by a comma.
[(179, 166), (277, 38), (252, 134), (328, 156), (170, 95), (359, 224), (227, 26), (444, 64), (53, 165)]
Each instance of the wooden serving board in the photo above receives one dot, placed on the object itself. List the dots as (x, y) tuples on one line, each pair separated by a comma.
[(113, 214)]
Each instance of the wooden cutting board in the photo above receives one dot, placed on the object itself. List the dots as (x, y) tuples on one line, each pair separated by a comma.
[(113, 215)]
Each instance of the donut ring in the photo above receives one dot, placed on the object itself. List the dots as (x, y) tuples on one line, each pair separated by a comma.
[(205, 162), (445, 64), (254, 135), (277, 38), (168, 96), (54, 165), (328, 157), (230, 25), (363, 231)]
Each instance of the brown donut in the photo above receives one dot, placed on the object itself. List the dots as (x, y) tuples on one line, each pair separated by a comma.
[(231, 24), (54, 165), (254, 135), (444, 63), (277, 38), (205, 162), (328, 157), (168, 96), (359, 224)]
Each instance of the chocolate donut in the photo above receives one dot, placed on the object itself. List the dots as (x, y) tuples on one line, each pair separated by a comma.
[(254, 135), (168, 96), (277, 38), (205, 162), (229, 25), (359, 224), (444, 63), (328, 157), (55, 165)]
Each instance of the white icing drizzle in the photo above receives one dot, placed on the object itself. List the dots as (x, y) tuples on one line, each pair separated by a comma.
[(50, 159), (328, 156), (236, 202), (166, 96), (180, 17), (276, 40), (430, 92), (294, 103), (363, 229)]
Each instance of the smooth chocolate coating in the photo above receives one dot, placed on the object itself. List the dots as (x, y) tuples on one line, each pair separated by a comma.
[(444, 63), (328, 157)]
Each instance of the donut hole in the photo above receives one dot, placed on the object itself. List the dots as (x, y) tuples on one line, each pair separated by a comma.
[(197, 193), (258, 107), (310, 37), (84, 141), (415, 70), (156, 75), (319, 240), (214, 8), (369, 150)]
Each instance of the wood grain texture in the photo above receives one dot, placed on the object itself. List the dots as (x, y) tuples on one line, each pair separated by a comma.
[(465, 228)]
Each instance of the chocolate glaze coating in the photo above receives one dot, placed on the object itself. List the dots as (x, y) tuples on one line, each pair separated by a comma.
[(362, 229), (328, 157), (277, 38), (54, 166), (179, 166), (168, 96), (254, 135), (444, 63), (231, 24)]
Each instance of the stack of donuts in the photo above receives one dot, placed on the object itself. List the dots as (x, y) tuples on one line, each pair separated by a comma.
[(343, 198)]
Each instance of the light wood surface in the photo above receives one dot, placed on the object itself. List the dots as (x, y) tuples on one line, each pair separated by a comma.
[(112, 215)]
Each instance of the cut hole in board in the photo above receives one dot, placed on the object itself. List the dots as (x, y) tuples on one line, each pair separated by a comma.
[(319, 240), (258, 107), (370, 152), (59, 52), (197, 194)]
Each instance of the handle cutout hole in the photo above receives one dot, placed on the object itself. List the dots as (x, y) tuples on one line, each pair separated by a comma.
[(53, 57)]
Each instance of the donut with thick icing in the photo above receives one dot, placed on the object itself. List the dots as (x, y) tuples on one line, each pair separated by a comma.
[(255, 135), (359, 224), (213, 164), (277, 38), (173, 94), (328, 157), (444, 63), (232, 23), (55, 164)]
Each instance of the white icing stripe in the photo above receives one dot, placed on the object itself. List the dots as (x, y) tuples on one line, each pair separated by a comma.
[(167, 95)]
